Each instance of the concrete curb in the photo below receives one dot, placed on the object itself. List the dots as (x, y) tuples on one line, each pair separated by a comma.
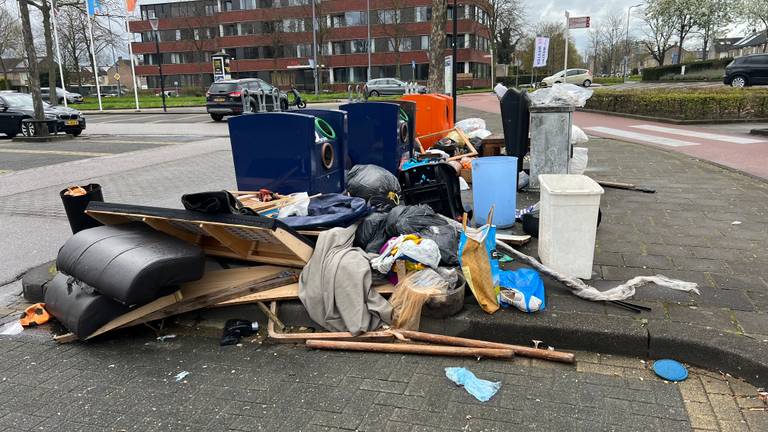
[(704, 347)]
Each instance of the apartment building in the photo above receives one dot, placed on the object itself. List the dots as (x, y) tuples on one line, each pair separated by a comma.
[(272, 40)]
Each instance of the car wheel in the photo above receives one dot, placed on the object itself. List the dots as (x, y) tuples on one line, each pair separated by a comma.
[(217, 117), (587, 83), (373, 93), (11, 135), (739, 81), (76, 133), (28, 129)]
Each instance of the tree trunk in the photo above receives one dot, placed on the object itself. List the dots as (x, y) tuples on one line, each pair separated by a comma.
[(47, 30), (436, 81), (34, 78), (680, 45)]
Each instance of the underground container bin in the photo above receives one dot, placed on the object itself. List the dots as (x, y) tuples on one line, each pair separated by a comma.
[(568, 223)]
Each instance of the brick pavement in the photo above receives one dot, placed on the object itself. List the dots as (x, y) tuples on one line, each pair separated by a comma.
[(128, 384)]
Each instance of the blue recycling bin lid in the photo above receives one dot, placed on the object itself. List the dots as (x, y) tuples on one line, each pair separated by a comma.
[(670, 370)]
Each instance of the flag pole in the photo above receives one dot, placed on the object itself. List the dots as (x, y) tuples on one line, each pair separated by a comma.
[(58, 55), (133, 62), (90, 7)]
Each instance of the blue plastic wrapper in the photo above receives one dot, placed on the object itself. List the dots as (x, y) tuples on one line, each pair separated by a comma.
[(482, 390), (522, 288)]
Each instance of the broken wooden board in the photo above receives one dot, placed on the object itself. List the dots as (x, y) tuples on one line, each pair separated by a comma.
[(301, 337), (249, 238), (215, 287), (472, 152), (288, 292), (517, 240)]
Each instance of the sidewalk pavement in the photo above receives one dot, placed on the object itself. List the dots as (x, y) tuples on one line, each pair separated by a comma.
[(128, 384), (683, 231)]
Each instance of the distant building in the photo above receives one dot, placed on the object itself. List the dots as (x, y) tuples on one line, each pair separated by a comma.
[(272, 40), (670, 58), (720, 47), (16, 72), (752, 44)]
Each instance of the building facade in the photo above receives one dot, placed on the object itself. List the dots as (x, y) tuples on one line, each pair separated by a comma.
[(272, 40)]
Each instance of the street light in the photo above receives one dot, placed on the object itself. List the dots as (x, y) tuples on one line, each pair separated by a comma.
[(453, 62), (626, 58), (368, 44), (154, 23)]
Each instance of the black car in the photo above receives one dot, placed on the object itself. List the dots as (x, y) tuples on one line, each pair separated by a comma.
[(746, 71), (228, 97), (15, 107)]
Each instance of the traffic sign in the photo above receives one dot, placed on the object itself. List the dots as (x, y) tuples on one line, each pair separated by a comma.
[(578, 22), (116, 76)]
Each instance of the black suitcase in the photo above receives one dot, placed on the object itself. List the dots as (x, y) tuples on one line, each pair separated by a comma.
[(78, 306), (130, 263)]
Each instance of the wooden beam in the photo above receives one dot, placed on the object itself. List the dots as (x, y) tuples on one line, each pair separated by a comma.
[(405, 348), (166, 227), (240, 246)]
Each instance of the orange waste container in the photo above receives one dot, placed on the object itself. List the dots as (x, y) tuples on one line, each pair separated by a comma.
[(434, 113)]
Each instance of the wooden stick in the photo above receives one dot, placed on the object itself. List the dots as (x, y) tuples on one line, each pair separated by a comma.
[(451, 351), (271, 316), (458, 341), (625, 186)]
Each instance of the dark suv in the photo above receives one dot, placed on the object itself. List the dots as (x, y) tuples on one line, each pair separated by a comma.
[(746, 71), (228, 97)]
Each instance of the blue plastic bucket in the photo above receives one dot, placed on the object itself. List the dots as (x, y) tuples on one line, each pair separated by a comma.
[(494, 184)]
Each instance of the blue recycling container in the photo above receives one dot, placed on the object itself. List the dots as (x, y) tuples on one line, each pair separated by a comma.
[(494, 184), (289, 152), (378, 134)]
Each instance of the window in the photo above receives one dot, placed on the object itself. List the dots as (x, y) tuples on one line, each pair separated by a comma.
[(388, 16), (572, 72), (423, 13), (759, 59), (359, 46), (356, 18)]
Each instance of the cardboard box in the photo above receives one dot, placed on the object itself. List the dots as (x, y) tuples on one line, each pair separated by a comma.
[(466, 174)]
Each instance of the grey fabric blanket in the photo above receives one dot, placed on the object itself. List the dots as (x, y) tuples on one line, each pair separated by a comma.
[(335, 286)]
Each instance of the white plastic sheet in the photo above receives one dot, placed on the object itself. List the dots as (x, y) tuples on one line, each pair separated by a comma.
[(578, 136), (470, 124), (561, 95)]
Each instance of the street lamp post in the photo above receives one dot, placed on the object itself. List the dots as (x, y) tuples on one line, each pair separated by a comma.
[(626, 58), (314, 47), (368, 44), (154, 23), (453, 62)]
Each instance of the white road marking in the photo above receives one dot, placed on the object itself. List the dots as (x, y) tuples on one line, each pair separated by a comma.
[(54, 152), (696, 134), (125, 118), (652, 139), (200, 115)]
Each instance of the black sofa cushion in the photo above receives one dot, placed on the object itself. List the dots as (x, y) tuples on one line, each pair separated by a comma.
[(78, 306), (130, 263)]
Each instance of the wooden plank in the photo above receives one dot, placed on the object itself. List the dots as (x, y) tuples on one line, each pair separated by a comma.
[(213, 282), (287, 292), (517, 240), (441, 350), (164, 226), (65, 338), (238, 245)]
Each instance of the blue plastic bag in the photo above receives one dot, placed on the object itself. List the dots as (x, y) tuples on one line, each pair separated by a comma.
[(521, 288), (482, 390)]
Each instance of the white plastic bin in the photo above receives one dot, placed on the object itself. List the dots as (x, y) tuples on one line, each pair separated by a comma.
[(568, 223)]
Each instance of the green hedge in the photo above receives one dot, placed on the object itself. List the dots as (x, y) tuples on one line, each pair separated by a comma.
[(521, 79), (721, 104), (658, 73)]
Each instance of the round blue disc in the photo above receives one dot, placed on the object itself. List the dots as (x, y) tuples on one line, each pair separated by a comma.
[(670, 370)]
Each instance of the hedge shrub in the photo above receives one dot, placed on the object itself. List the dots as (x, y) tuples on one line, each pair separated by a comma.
[(690, 104), (658, 73)]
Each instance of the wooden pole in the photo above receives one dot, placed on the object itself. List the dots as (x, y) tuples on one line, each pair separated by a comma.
[(464, 342), (451, 351)]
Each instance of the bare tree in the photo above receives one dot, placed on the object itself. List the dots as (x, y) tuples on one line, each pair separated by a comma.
[(685, 14), (436, 82), (556, 33), (659, 29), (505, 23), (594, 47), (10, 41), (612, 37), (34, 78), (714, 17)]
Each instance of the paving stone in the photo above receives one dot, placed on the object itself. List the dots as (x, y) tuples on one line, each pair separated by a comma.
[(725, 298), (648, 261), (698, 264), (715, 318), (733, 426), (752, 322), (715, 386), (701, 416)]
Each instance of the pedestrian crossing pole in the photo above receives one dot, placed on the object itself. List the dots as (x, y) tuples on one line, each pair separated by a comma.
[(565, 61)]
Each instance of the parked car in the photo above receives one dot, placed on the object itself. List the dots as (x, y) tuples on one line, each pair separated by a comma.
[(60, 93), (582, 77), (389, 86), (747, 71), (15, 107), (226, 97)]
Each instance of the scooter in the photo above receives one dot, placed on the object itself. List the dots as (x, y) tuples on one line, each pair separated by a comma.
[(297, 100)]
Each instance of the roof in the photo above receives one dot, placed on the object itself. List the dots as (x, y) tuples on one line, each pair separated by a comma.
[(754, 39), (11, 64), (724, 44)]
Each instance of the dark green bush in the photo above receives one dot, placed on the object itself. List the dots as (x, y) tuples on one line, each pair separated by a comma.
[(658, 73), (688, 104)]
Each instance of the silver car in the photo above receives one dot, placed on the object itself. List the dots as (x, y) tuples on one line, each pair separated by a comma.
[(71, 97), (389, 86)]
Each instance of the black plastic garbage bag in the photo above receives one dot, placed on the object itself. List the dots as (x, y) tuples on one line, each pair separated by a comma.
[(215, 202), (422, 220), (370, 234), (368, 181)]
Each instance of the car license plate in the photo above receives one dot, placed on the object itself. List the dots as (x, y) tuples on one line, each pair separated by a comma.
[(71, 123), (220, 99)]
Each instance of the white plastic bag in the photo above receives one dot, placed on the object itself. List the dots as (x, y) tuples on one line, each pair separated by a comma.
[(299, 206), (500, 90), (470, 124), (578, 163), (578, 136), (561, 95), (480, 133)]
